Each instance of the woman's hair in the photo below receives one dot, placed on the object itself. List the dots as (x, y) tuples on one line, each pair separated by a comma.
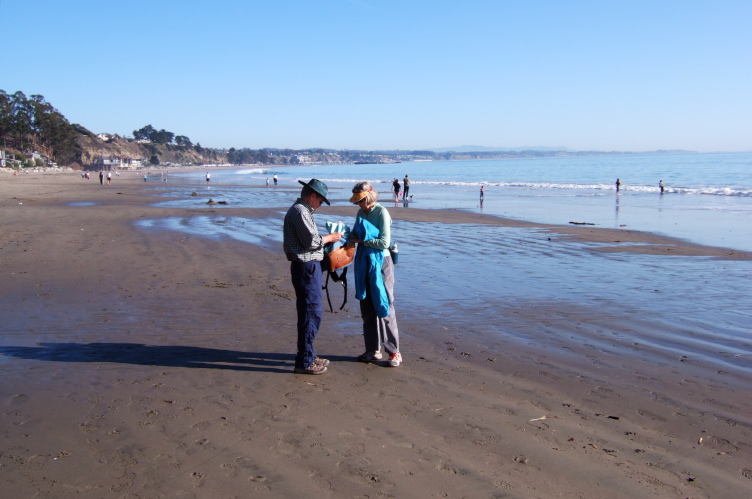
[(366, 186)]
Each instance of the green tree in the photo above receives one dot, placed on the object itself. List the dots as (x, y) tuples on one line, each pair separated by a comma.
[(6, 117), (163, 137), (23, 115), (145, 133)]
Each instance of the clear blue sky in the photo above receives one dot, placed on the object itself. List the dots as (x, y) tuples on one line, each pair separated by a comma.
[(393, 74)]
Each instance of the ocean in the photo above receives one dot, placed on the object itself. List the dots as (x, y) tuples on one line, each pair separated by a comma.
[(707, 199), (515, 284)]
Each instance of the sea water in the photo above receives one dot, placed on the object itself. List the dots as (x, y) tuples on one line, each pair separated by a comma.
[(707, 197), (477, 277)]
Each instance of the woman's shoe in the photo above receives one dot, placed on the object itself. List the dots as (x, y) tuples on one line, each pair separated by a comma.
[(395, 359), (370, 356)]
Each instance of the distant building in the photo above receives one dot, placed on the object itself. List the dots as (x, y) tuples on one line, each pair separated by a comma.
[(116, 163), (132, 163)]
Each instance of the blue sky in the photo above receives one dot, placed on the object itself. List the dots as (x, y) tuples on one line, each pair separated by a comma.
[(384, 74)]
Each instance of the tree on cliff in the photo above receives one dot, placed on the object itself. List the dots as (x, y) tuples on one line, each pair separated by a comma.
[(157, 136), (33, 124), (183, 141)]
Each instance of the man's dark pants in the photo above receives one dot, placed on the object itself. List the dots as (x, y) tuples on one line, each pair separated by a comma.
[(306, 279)]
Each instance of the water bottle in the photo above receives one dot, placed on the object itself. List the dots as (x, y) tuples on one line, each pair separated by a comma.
[(394, 252)]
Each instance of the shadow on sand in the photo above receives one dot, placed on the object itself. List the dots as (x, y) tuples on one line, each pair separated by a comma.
[(156, 355)]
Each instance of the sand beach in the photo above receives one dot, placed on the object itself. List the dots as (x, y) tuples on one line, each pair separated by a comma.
[(147, 363)]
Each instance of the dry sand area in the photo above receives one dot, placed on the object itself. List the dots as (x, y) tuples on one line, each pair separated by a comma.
[(143, 365)]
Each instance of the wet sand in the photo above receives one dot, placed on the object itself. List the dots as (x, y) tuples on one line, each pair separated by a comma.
[(158, 364)]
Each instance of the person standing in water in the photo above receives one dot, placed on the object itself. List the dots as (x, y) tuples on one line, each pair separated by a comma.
[(618, 185), (660, 186)]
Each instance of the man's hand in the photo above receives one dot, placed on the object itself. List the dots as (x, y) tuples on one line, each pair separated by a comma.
[(333, 237)]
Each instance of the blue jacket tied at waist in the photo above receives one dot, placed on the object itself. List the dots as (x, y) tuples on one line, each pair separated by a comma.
[(368, 262)]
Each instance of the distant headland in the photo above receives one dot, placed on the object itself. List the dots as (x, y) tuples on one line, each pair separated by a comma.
[(35, 134)]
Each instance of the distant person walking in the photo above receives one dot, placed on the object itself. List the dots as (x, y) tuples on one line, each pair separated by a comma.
[(406, 182), (109, 178), (275, 180), (144, 177), (660, 186), (396, 188), (101, 178), (208, 178), (481, 193), (618, 185)]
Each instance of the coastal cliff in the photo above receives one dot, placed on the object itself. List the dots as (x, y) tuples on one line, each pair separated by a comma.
[(92, 151)]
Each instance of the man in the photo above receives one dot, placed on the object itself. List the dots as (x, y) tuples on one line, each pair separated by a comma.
[(304, 248), (406, 183)]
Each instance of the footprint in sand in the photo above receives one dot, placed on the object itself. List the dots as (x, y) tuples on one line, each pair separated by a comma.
[(368, 477), (197, 479), (604, 392), (501, 484), (650, 415), (548, 375), (721, 445)]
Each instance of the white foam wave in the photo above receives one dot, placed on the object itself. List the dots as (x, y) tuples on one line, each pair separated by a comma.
[(252, 171)]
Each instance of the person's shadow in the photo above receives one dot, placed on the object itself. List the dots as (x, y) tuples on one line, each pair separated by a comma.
[(155, 355)]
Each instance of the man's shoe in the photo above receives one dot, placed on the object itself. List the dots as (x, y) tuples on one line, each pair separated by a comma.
[(395, 359), (370, 356), (321, 362), (312, 369)]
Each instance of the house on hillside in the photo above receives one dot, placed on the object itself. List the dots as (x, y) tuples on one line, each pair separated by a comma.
[(116, 163), (132, 163), (107, 163)]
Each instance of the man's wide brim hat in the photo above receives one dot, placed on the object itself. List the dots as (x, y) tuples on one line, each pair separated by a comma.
[(320, 188)]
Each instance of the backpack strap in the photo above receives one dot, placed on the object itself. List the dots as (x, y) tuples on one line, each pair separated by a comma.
[(342, 279)]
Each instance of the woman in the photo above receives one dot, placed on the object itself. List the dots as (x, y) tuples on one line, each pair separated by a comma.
[(396, 188), (374, 276)]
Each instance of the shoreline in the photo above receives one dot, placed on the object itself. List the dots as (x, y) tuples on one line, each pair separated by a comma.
[(168, 358)]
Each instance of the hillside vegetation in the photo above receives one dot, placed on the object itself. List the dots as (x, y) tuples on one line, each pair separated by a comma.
[(34, 133)]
